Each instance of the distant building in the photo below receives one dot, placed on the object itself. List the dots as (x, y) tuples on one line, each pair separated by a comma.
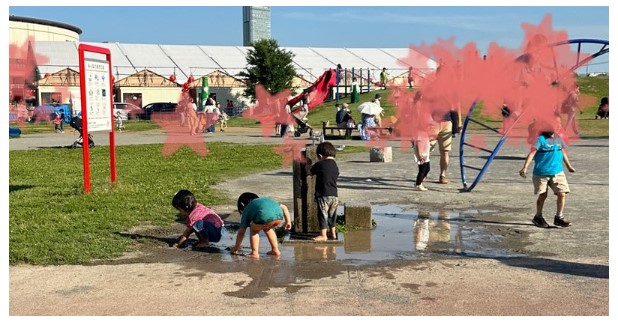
[(256, 24)]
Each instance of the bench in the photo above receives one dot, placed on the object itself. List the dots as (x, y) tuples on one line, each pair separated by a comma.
[(348, 133)]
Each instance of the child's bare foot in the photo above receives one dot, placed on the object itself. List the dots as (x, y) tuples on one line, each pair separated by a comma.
[(253, 255), (319, 238), (274, 253)]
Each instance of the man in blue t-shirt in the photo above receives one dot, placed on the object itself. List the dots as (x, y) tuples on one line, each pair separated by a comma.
[(549, 153)]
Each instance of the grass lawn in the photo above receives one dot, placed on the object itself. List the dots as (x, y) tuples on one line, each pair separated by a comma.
[(594, 88), (51, 221)]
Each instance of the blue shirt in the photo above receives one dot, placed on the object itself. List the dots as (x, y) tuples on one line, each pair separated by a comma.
[(548, 157), (261, 211)]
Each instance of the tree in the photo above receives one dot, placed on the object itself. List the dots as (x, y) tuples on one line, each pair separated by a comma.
[(269, 66)]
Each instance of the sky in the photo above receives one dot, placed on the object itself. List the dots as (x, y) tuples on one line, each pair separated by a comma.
[(322, 26)]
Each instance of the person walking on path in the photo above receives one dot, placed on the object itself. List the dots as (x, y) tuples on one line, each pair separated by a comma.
[(192, 118), (549, 152), (443, 127), (421, 156), (570, 106)]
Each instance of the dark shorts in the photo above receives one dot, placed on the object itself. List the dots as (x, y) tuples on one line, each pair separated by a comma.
[(207, 231)]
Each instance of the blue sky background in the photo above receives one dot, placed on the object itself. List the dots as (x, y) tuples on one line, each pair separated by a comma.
[(320, 26)]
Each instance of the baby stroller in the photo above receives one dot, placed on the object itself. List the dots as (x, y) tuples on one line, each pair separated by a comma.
[(301, 127), (76, 123)]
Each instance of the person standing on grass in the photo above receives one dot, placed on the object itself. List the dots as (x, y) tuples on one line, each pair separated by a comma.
[(200, 219), (383, 78), (355, 90), (603, 110), (260, 214), (549, 152), (410, 78), (326, 197)]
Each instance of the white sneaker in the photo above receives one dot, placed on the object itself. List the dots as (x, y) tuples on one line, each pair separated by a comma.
[(421, 188)]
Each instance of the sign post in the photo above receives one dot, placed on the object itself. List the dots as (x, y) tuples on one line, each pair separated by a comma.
[(97, 101)]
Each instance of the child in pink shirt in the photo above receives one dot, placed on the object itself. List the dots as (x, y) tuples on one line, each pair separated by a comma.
[(202, 220)]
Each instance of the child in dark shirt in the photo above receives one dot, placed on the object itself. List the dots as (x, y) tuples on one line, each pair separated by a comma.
[(326, 172)]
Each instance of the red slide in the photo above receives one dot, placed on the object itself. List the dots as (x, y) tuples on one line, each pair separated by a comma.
[(318, 91)]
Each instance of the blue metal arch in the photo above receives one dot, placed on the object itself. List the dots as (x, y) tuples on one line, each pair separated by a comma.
[(462, 165)]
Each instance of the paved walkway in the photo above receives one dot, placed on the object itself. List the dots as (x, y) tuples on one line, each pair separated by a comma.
[(505, 266)]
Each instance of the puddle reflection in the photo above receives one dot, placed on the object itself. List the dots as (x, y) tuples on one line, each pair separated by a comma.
[(402, 232)]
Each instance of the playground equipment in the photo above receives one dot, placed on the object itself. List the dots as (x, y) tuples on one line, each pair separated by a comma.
[(317, 92), (503, 136)]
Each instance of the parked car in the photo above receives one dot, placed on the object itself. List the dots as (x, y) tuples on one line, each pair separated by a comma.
[(127, 111), (159, 107)]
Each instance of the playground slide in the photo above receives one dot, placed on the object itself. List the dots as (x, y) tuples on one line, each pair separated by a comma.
[(318, 91)]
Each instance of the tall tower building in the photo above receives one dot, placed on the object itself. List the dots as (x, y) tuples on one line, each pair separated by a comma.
[(256, 24)]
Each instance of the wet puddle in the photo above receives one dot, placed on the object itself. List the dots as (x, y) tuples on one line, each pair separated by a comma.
[(401, 233)]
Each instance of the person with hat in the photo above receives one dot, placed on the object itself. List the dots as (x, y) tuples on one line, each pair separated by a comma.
[(260, 214)]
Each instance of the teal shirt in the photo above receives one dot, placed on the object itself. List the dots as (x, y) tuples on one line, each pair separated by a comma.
[(548, 157), (261, 211)]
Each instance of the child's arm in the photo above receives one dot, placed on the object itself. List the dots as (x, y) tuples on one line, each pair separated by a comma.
[(239, 237), (309, 167), (531, 154), (183, 238), (566, 161), (286, 215)]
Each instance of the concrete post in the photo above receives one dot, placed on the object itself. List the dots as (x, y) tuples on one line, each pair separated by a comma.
[(305, 210)]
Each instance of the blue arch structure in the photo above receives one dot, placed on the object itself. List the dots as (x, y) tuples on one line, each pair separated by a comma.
[(492, 153)]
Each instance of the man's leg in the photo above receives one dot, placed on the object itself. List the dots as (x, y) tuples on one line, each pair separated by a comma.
[(540, 201), (445, 137), (444, 160), (559, 219), (560, 201)]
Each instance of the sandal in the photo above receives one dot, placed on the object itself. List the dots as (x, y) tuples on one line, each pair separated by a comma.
[(443, 180)]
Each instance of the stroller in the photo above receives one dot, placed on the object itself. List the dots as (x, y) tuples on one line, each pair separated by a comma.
[(301, 127), (76, 123)]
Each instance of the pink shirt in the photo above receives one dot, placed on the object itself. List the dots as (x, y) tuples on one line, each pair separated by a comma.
[(202, 212)]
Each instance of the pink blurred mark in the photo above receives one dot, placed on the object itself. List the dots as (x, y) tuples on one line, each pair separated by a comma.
[(20, 114), (22, 66), (290, 151), (533, 86), (269, 110), (178, 136), (478, 141)]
